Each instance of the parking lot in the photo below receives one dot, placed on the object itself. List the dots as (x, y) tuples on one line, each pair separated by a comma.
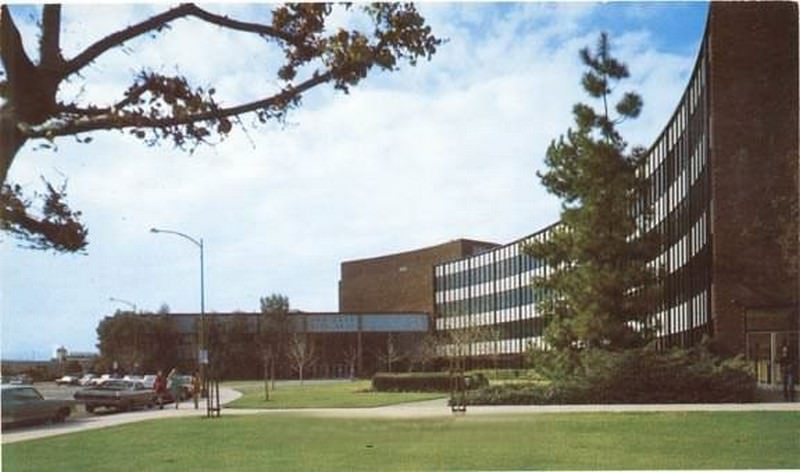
[(56, 392), (80, 420)]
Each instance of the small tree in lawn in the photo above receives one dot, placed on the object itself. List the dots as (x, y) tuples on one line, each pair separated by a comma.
[(273, 327), (603, 290), (391, 354), (458, 345), (302, 353), (425, 351), (494, 339), (351, 358)]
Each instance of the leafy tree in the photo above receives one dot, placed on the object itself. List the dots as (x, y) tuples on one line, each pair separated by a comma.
[(602, 289), (144, 342), (233, 356), (73, 367), (160, 107)]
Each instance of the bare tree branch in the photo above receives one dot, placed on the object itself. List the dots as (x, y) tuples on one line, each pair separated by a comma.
[(13, 55), (106, 121), (257, 28), (158, 107), (113, 40), (50, 42), (159, 21)]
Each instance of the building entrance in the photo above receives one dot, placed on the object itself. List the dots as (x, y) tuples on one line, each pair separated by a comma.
[(764, 351)]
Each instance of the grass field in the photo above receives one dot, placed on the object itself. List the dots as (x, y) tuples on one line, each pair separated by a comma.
[(282, 441), (320, 395)]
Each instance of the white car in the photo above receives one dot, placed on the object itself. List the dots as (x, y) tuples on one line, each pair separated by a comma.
[(68, 380), (149, 380), (99, 380), (86, 380)]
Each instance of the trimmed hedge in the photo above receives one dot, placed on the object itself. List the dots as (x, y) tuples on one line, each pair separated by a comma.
[(635, 376), (423, 382)]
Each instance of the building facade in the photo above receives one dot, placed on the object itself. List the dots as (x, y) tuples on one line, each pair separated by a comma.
[(399, 282), (723, 186), (336, 344)]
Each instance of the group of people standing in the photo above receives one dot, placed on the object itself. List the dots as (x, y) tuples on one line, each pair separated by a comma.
[(174, 383)]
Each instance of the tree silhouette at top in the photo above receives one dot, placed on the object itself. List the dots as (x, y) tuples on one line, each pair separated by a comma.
[(159, 107)]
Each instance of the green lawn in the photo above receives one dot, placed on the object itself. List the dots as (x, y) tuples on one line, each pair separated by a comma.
[(320, 395), (283, 441)]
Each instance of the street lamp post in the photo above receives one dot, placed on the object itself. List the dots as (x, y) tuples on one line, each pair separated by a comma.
[(203, 352), (124, 302)]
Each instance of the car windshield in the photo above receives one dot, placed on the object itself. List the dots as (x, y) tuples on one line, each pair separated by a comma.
[(22, 394)]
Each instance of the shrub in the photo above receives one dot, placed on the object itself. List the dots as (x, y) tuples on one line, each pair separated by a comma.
[(673, 376), (633, 376), (507, 374), (424, 382)]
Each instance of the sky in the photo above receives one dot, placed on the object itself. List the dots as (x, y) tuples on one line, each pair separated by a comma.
[(413, 158)]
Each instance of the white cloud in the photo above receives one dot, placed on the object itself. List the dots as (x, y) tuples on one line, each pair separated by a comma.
[(444, 150)]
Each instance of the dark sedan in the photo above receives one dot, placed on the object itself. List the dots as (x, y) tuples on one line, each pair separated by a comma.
[(119, 394), (24, 404)]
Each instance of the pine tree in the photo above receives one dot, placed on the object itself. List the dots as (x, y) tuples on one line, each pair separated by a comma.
[(601, 288)]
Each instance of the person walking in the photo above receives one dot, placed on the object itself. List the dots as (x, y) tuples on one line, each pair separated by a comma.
[(160, 386), (788, 367), (196, 389), (174, 385)]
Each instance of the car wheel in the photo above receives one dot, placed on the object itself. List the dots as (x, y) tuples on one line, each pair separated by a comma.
[(90, 408), (61, 415)]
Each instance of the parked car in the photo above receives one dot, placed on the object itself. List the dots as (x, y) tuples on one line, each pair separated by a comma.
[(186, 387), (149, 381), (24, 404), (100, 380), (118, 394), (68, 380), (86, 379), (21, 379)]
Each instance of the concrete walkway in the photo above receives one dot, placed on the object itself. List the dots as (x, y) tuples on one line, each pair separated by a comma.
[(439, 409), (425, 409), (105, 420)]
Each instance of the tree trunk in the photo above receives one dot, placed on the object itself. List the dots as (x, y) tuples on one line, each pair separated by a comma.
[(272, 371), (266, 377), (30, 89), (11, 140)]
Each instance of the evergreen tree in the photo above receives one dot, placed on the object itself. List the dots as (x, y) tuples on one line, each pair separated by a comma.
[(601, 288)]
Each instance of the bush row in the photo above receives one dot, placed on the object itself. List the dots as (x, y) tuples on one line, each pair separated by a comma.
[(635, 376), (425, 382)]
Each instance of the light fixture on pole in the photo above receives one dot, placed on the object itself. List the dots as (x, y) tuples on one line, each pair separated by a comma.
[(125, 302), (202, 355)]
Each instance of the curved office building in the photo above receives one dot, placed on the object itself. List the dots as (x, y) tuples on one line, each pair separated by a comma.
[(738, 113), (494, 288), (723, 186)]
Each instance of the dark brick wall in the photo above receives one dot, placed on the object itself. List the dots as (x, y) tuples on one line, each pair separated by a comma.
[(753, 49), (398, 282)]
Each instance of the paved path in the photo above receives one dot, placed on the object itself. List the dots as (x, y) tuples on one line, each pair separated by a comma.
[(425, 409), (104, 420)]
